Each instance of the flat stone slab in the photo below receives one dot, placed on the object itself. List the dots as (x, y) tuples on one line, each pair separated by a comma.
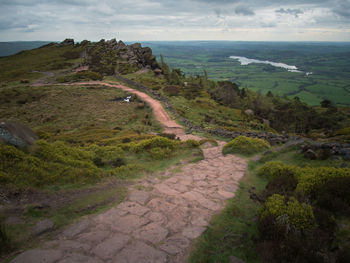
[(152, 233), (225, 194), (77, 228), (79, 258), (129, 223), (133, 208), (139, 252), (93, 238), (197, 197), (160, 205), (71, 245), (38, 256), (108, 248), (157, 217), (193, 232), (175, 244), (140, 197), (43, 226), (165, 189)]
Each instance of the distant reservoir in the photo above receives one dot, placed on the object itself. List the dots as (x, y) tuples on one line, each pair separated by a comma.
[(246, 61)]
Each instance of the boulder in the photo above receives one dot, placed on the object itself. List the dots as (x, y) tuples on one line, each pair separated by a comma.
[(43, 226), (17, 134), (310, 154), (68, 42), (136, 46), (249, 112)]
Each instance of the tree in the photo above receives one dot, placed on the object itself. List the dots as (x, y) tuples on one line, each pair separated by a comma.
[(326, 103), (165, 67)]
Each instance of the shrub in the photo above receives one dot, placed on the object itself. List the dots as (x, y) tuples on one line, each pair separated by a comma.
[(171, 136), (191, 143), (5, 244), (284, 185), (160, 153), (172, 90), (291, 212), (48, 164), (159, 142), (276, 169), (211, 141), (334, 195), (245, 145), (311, 179)]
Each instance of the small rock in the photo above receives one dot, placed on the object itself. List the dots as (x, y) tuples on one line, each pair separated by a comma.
[(43, 226), (234, 259), (140, 197)]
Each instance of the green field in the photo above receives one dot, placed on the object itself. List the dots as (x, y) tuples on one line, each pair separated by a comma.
[(329, 62)]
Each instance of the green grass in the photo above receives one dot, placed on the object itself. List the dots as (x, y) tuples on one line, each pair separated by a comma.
[(330, 68), (233, 231), (25, 64)]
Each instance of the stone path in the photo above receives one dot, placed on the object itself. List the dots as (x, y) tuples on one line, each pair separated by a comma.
[(157, 222)]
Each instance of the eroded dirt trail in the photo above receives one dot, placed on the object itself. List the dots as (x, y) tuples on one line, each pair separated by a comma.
[(161, 216)]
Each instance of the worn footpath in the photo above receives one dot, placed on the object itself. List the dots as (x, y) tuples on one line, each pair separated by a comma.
[(160, 218)]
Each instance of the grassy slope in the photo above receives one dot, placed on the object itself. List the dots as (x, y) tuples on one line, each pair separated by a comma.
[(200, 111), (27, 64)]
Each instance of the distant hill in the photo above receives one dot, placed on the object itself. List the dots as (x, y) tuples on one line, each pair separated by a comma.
[(10, 48)]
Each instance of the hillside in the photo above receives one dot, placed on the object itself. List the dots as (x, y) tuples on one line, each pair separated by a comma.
[(109, 154), (328, 61)]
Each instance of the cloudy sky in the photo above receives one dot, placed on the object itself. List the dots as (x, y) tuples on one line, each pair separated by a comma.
[(261, 20)]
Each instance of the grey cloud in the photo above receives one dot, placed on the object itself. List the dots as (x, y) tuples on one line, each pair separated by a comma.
[(244, 10), (342, 8), (294, 12), (105, 15)]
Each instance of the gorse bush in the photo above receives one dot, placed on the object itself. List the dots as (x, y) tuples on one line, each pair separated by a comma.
[(57, 163), (276, 169), (159, 142), (289, 211), (48, 164), (310, 179), (245, 146)]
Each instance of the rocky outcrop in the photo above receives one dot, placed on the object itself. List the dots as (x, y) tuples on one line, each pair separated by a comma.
[(112, 56), (68, 42), (17, 134)]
